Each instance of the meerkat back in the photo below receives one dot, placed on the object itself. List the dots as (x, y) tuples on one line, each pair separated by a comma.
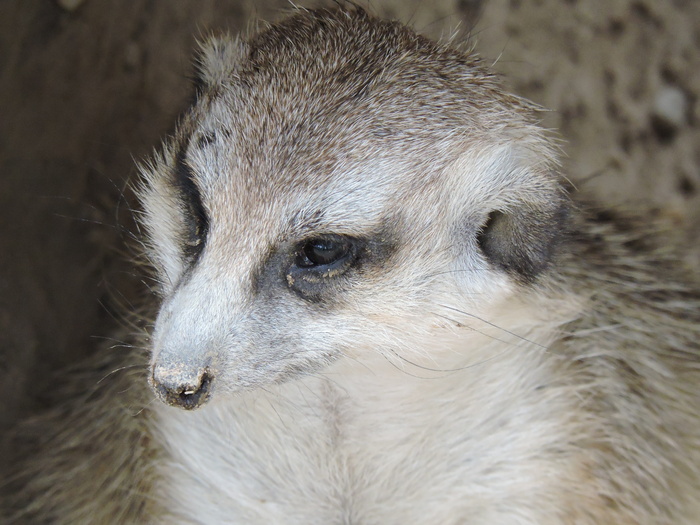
[(379, 305)]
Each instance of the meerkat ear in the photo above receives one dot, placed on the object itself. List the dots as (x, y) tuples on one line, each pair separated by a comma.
[(218, 59), (522, 239), (514, 206)]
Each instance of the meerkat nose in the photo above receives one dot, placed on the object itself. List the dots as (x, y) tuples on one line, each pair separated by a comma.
[(181, 389)]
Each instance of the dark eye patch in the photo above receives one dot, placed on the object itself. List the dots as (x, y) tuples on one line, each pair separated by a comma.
[(196, 220), (319, 266)]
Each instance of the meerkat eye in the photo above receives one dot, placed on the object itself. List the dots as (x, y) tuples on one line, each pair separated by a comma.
[(319, 263), (323, 253)]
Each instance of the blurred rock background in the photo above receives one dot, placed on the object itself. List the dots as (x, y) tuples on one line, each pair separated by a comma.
[(88, 86)]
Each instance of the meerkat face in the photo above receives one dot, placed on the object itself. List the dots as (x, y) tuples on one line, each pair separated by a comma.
[(339, 182)]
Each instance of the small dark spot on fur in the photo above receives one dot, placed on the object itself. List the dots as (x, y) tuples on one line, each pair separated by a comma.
[(206, 139)]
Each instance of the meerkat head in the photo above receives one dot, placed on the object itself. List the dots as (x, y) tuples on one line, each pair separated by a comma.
[(337, 180)]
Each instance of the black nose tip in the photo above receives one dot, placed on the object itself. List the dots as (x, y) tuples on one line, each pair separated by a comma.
[(183, 394)]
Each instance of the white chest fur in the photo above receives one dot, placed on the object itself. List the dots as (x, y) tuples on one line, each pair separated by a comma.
[(484, 444)]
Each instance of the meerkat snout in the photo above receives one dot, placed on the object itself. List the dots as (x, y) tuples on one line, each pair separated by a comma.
[(182, 386)]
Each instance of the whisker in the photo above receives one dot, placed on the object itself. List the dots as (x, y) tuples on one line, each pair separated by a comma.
[(404, 371), (504, 330), (493, 337), (126, 367), (153, 400), (118, 342)]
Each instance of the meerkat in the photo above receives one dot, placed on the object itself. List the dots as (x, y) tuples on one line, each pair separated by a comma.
[(379, 304)]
